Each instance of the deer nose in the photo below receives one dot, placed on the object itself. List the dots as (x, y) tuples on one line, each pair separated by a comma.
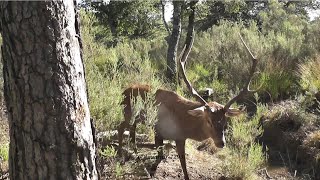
[(220, 144)]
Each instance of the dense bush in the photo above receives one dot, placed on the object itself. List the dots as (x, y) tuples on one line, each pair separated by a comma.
[(284, 41), (243, 155), (110, 70), (309, 75)]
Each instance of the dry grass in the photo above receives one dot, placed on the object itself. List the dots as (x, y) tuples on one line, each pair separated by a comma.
[(313, 140)]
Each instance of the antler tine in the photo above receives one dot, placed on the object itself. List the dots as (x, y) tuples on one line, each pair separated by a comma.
[(183, 59), (246, 88)]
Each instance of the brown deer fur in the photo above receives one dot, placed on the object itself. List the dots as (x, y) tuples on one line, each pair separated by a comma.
[(129, 94)]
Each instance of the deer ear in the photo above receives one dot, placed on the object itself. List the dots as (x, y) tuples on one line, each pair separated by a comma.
[(233, 112), (198, 112)]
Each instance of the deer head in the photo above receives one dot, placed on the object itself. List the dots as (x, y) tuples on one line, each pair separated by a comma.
[(215, 113)]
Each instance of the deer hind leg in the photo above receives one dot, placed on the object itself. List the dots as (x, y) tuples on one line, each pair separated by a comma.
[(181, 153), (125, 124), (133, 134), (140, 118), (159, 145), (121, 130)]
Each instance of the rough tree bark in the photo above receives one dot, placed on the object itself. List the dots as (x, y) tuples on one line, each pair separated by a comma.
[(191, 22), (50, 131), (173, 42)]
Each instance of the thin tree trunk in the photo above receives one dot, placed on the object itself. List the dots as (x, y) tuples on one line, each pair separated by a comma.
[(190, 33), (163, 3), (190, 30), (50, 131), (173, 42)]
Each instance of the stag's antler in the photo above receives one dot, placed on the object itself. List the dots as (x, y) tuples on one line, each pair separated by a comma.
[(246, 89), (183, 60), (185, 53)]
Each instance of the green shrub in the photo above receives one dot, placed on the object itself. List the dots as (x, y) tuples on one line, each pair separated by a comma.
[(309, 73), (105, 96), (110, 70), (108, 152), (244, 163), (312, 41), (4, 152), (278, 82), (243, 156), (282, 41)]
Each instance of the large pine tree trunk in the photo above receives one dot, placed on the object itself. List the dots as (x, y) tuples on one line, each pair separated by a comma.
[(174, 42), (50, 131)]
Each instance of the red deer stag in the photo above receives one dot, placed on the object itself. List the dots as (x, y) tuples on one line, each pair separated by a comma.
[(180, 118)]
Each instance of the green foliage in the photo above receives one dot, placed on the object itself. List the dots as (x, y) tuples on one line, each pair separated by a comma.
[(4, 152), (278, 83), (105, 96), (309, 75), (283, 29), (110, 70), (312, 40), (228, 10), (244, 163), (221, 53), (118, 170), (212, 12), (245, 131), (129, 19), (243, 155), (108, 152)]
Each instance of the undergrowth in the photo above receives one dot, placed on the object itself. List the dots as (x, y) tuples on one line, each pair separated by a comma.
[(110, 70), (309, 75), (243, 155)]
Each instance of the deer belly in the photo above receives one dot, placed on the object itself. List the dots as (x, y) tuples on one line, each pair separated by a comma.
[(168, 128)]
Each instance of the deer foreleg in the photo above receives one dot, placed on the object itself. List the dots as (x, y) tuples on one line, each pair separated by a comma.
[(181, 153), (121, 129), (159, 145)]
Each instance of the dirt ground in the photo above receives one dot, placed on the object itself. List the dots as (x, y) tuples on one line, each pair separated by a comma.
[(202, 164)]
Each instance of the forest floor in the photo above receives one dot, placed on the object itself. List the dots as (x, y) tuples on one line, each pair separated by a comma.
[(205, 163), (201, 164)]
